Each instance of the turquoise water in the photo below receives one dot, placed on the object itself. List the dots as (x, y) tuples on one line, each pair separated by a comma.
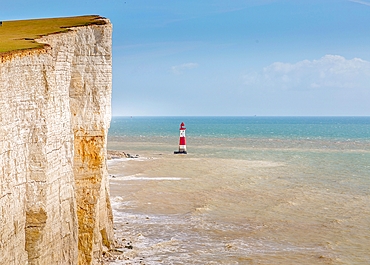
[(335, 128), (335, 144), (252, 190)]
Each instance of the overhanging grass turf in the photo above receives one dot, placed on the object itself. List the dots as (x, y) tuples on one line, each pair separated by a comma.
[(20, 34)]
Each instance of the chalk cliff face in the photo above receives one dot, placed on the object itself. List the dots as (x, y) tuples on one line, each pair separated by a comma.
[(54, 119)]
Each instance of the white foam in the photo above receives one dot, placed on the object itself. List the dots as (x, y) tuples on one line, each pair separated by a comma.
[(149, 178), (115, 161), (124, 159)]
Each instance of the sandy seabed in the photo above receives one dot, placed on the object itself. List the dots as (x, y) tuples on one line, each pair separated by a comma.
[(186, 209)]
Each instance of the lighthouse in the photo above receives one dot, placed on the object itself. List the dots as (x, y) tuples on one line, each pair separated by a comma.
[(182, 144)]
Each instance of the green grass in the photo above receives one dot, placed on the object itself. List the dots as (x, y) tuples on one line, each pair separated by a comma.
[(21, 34)]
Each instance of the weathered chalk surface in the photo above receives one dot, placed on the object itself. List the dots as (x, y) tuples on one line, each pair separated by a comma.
[(54, 119)]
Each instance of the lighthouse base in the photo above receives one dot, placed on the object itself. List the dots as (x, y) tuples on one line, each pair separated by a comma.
[(180, 152)]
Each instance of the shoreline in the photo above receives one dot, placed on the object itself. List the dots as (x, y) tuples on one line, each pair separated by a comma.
[(128, 246), (123, 252), (120, 253)]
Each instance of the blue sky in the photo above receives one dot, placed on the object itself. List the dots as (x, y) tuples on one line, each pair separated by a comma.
[(251, 57)]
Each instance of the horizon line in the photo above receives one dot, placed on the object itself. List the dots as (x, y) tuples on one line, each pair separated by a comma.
[(328, 116)]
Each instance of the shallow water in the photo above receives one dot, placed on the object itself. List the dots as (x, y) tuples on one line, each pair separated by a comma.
[(242, 200)]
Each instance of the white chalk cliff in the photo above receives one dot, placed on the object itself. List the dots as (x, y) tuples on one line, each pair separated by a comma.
[(54, 120)]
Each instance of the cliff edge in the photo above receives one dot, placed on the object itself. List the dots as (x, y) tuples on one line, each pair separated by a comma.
[(54, 119)]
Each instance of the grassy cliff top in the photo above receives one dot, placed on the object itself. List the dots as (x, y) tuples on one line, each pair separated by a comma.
[(21, 34)]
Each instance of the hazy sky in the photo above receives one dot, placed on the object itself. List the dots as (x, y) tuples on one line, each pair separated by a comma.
[(251, 57)]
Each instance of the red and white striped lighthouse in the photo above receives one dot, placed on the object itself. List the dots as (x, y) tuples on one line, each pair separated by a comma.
[(182, 144)]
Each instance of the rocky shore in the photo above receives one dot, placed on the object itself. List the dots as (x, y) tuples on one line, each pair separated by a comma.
[(114, 154)]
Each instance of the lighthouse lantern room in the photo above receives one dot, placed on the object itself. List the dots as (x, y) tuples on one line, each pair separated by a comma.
[(182, 144)]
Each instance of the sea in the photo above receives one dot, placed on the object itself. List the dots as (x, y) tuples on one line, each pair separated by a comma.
[(251, 190)]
